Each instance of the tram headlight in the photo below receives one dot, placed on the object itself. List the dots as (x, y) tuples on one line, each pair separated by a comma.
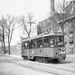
[(63, 50)]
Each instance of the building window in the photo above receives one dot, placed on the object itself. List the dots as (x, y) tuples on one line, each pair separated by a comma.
[(70, 32)]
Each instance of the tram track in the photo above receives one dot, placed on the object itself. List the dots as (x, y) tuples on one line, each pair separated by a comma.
[(44, 67), (54, 66), (48, 69)]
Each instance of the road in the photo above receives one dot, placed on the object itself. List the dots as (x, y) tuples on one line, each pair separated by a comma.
[(15, 65)]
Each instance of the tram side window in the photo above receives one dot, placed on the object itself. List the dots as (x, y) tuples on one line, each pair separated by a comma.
[(39, 43), (22, 45), (25, 45), (61, 39), (58, 40), (46, 41), (35, 43), (32, 44), (51, 42)]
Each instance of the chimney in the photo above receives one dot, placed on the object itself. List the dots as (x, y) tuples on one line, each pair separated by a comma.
[(52, 7)]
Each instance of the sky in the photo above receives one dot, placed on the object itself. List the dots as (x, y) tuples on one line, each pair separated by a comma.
[(39, 8)]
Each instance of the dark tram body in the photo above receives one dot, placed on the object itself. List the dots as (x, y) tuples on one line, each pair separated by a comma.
[(44, 47)]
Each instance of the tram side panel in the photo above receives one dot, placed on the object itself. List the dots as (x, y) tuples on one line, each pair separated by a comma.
[(42, 52), (48, 52), (38, 52), (24, 52), (54, 53)]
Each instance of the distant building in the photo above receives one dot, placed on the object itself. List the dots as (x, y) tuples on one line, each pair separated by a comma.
[(69, 27), (49, 24)]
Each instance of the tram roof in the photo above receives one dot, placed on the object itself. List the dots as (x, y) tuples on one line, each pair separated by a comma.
[(43, 35)]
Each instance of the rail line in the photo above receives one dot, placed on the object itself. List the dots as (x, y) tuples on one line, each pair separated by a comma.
[(47, 69), (39, 66)]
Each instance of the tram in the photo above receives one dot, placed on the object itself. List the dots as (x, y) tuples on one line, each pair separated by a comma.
[(44, 47)]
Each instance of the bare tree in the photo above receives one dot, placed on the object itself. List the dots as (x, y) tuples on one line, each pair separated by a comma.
[(10, 25), (61, 11), (3, 23), (27, 23)]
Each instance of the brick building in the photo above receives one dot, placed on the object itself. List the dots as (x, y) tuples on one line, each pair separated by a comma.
[(55, 23), (51, 23)]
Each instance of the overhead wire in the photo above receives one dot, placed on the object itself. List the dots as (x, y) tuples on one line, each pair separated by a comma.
[(24, 10), (27, 6)]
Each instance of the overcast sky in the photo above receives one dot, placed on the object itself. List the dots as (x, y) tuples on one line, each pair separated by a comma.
[(39, 8)]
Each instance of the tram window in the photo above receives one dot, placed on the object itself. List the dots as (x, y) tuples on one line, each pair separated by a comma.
[(22, 45), (32, 44), (39, 43), (35, 43), (61, 41), (51, 42), (46, 41), (26, 45), (58, 40)]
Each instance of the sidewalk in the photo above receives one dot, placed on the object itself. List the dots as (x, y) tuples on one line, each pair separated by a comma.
[(14, 55)]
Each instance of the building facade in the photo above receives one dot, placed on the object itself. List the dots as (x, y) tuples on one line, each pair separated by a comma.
[(57, 23)]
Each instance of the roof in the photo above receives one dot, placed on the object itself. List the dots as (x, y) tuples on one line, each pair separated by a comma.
[(44, 35)]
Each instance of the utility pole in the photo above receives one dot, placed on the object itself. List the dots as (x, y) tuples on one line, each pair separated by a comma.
[(30, 28)]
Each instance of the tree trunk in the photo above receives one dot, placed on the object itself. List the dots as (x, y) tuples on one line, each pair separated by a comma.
[(3, 47), (28, 35), (3, 42), (9, 47)]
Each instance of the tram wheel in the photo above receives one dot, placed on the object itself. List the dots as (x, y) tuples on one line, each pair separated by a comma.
[(37, 59), (25, 58), (55, 60)]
